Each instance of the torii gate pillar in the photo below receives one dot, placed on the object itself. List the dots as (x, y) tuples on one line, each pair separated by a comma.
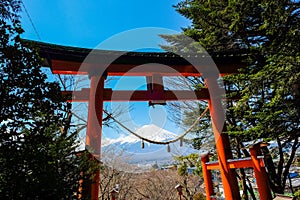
[(230, 184), (94, 127)]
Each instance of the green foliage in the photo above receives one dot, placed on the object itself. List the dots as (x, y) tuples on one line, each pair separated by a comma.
[(297, 195), (268, 32), (37, 152), (190, 161)]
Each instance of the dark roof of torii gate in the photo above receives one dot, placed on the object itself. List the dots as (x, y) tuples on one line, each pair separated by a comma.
[(67, 59)]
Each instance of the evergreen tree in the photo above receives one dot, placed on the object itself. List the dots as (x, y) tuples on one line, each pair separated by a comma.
[(268, 31), (37, 150)]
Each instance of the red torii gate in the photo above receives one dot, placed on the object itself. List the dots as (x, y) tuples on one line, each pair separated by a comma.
[(70, 60)]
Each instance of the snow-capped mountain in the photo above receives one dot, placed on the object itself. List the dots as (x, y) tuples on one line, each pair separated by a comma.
[(151, 132), (130, 146)]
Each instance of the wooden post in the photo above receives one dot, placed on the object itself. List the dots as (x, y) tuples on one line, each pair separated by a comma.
[(217, 114), (260, 174), (209, 190), (94, 127), (156, 88)]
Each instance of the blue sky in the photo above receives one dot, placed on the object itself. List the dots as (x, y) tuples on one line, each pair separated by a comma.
[(88, 23)]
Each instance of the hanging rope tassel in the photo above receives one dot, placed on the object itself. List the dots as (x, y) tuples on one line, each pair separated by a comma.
[(169, 148), (143, 144)]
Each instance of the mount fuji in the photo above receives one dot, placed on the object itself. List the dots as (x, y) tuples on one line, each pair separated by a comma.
[(130, 146)]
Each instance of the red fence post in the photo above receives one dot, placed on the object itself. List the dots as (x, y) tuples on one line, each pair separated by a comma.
[(260, 174), (209, 190)]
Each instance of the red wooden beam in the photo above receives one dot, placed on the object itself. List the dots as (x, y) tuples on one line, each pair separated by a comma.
[(138, 95), (72, 67), (235, 164), (243, 163)]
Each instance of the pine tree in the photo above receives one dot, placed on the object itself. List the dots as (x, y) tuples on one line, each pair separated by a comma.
[(268, 31), (37, 150)]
